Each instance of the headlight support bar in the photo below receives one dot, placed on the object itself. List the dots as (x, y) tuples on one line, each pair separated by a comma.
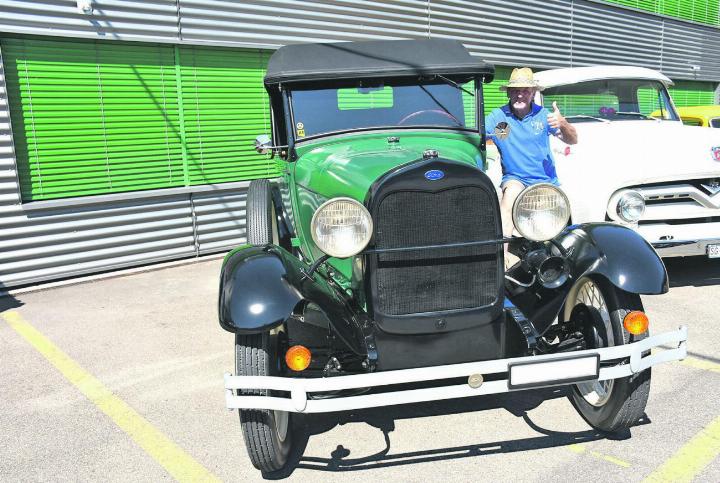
[(436, 247)]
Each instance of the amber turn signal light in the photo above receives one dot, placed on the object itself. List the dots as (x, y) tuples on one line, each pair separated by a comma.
[(298, 358), (636, 322)]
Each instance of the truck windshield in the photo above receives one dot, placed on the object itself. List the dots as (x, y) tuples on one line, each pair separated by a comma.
[(612, 100), (434, 104)]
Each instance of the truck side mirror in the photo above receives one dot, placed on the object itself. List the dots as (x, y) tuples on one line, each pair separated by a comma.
[(263, 144)]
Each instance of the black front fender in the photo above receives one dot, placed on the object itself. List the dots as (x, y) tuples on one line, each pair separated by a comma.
[(261, 287), (606, 250), (617, 253), (255, 295)]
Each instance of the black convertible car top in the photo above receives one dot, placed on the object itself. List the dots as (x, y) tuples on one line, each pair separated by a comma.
[(361, 60)]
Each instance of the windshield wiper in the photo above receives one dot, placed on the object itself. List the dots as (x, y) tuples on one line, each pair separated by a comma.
[(454, 119), (454, 84), (583, 116)]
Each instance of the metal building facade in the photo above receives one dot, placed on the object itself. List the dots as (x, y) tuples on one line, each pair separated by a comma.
[(43, 241)]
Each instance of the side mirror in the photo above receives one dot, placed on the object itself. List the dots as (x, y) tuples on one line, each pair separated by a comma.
[(263, 144)]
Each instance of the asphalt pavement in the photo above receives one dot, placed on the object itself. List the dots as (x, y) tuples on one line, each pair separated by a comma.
[(120, 379)]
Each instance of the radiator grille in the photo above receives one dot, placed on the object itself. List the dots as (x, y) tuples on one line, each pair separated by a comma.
[(436, 279)]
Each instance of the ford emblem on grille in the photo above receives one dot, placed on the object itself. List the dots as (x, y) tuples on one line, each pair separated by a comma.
[(434, 174)]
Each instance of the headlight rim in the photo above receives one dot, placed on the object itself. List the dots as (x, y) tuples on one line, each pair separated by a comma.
[(524, 192), (335, 200), (618, 197)]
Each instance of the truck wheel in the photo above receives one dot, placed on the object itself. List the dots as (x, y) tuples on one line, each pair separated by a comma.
[(268, 434), (597, 308), (261, 222)]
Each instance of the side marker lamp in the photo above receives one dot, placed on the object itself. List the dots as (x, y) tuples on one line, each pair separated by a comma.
[(636, 322), (298, 358)]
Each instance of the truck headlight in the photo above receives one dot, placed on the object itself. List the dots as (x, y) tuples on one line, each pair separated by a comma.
[(341, 227), (540, 212), (630, 206)]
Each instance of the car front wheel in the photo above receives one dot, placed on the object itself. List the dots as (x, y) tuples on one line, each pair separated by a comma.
[(597, 308), (268, 434)]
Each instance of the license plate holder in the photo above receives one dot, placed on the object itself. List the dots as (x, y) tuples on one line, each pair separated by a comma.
[(713, 250), (566, 370)]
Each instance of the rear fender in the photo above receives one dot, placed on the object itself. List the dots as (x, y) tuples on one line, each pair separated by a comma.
[(261, 287)]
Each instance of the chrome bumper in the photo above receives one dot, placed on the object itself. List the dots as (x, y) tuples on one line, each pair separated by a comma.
[(684, 248), (554, 374), (686, 240)]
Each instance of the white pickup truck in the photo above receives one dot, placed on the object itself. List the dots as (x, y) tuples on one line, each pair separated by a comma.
[(635, 162)]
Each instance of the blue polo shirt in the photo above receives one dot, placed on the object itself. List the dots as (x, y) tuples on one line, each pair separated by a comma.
[(524, 144)]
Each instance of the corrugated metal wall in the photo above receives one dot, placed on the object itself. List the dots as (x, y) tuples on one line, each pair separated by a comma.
[(603, 35), (526, 32), (59, 241), (151, 20), (281, 22), (553, 33)]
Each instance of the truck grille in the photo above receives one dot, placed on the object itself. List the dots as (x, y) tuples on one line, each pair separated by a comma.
[(442, 279), (681, 201)]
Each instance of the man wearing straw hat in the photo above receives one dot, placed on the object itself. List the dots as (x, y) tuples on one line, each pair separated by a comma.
[(521, 131)]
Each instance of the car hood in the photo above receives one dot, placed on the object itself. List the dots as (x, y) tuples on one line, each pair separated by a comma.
[(624, 153), (348, 166)]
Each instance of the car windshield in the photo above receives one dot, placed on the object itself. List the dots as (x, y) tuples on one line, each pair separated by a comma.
[(440, 103), (715, 122), (612, 100)]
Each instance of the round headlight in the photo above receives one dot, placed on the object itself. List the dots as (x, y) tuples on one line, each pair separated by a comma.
[(630, 206), (540, 212), (341, 227)]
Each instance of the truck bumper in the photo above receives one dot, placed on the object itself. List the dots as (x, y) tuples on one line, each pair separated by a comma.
[(519, 374), (686, 240)]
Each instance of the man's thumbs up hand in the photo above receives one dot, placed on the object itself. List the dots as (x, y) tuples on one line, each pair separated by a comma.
[(555, 119)]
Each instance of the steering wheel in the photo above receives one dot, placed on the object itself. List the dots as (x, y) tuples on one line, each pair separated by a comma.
[(429, 111)]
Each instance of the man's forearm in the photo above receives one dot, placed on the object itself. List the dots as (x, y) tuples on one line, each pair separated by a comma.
[(568, 133)]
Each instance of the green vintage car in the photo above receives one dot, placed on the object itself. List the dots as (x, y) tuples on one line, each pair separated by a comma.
[(373, 272)]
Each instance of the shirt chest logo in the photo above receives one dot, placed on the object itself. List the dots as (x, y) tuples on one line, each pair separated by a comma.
[(537, 126), (502, 130)]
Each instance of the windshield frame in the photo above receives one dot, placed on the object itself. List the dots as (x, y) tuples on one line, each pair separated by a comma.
[(479, 117), (655, 83)]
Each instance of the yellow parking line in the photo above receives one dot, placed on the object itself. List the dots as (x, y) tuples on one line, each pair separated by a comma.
[(692, 458), (579, 449), (170, 456), (696, 363)]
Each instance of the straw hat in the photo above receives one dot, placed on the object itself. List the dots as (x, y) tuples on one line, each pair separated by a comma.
[(522, 77)]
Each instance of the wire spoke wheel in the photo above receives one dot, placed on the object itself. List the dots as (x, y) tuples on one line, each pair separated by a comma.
[(597, 308), (596, 393)]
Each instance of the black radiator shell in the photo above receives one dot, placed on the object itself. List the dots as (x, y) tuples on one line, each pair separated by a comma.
[(411, 178)]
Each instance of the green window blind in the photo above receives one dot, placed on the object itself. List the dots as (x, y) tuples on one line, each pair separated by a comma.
[(93, 117), (581, 104), (649, 102), (702, 11), (224, 108), (364, 98), (692, 122), (693, 93), (469, 104), (492, 94), (85, 123)]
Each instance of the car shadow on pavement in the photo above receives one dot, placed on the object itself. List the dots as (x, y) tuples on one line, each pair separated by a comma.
[(384, 419), (693, 271), (7, 301)]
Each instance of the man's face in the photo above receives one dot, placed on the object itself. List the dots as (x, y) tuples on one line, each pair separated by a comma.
[(520, 98)]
